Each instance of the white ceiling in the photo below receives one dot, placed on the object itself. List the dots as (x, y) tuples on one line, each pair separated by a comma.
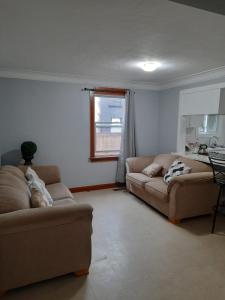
[(105, 40)]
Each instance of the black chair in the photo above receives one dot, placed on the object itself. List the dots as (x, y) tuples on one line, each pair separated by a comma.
[(217, 161)]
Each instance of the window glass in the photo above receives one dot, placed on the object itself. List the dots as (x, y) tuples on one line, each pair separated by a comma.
[(209, 125), (108, 119)]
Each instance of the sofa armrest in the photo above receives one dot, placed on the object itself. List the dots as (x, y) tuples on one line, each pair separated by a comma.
[(137, 164), (41, 218), (41, 243), (49, 174), (192, 178), (191, 195)]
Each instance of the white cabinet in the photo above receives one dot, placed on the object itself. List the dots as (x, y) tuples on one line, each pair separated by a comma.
[(204, 102)]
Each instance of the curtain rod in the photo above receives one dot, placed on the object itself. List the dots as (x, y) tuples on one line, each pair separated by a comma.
[(99, 89), (88, 90)]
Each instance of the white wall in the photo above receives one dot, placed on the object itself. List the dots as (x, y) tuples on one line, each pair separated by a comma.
[(168, 120), (56, 117)]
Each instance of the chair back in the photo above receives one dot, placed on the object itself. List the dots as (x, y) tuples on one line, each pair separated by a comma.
[(217, 161)]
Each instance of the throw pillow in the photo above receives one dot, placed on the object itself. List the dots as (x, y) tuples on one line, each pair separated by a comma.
[(38, 199), (176, 169), (152, 170), (35, 182), (32, 175)]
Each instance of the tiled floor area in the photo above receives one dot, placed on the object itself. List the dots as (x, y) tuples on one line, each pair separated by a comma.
[(139, 255)]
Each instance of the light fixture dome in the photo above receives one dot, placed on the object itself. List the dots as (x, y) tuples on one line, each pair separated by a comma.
[(150, 66)]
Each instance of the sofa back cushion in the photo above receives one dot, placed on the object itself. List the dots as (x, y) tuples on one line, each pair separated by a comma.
[(14, 192), (14, 171), (165, 160), (196, 166)]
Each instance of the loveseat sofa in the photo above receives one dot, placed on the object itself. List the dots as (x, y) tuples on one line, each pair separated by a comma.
[(185, 196), (41, 243)]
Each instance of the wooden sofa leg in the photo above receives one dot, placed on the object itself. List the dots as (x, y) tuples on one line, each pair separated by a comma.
[(175, 221), (82, 272)]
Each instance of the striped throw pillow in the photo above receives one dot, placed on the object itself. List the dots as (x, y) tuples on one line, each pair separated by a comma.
[(176, 169)]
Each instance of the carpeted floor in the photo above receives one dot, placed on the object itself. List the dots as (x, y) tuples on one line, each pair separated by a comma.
[(138, 254)]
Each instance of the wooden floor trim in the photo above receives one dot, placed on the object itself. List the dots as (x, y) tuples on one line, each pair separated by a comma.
[(93, 187)]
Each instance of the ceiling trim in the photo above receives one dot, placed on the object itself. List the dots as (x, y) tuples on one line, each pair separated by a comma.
[(68, 78), (205, 76)]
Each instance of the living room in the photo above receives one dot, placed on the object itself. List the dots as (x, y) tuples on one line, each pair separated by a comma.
[(100, 101)]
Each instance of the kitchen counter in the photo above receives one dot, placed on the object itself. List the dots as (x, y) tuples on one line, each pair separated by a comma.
[(199, 157)]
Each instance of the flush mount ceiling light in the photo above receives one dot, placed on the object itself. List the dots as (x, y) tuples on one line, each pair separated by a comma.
[(149, 66)]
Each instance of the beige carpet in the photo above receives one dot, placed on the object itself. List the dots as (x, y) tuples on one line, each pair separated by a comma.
[(138, 254)]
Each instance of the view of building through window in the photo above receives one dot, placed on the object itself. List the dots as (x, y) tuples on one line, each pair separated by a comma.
[(109, 116), (209, 125)]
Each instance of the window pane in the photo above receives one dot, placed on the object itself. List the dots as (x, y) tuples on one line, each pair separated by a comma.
[(209, 124), (109, 115)]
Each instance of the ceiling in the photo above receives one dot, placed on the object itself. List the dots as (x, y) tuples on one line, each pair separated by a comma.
[(105, 40)]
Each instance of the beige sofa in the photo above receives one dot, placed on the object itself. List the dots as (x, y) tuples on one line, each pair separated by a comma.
[(41, 243), (186, 196)]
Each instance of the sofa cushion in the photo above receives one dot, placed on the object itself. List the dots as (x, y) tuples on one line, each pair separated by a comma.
[(14, 171), (49, 174), (138, 179), (196, 166), (165, 160), (7, 179), (14, 193), (12, 199), (59, 191), (157, 188), (65, 201)]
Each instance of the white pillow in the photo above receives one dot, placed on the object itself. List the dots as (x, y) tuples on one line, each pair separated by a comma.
[(152, 170), (176, 169), (34, 182)]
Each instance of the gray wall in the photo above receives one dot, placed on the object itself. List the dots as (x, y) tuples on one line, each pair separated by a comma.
[(168, 120), (56, 117)]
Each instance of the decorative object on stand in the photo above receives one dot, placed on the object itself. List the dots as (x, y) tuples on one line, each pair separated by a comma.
[(203, 149), (28, 149), (217, 161)]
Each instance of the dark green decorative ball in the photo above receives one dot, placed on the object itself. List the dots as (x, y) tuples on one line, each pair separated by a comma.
[(28, 149)]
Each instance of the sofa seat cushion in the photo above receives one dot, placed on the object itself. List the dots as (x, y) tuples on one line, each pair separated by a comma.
[(157, 188), (59, 191), (65, 201), (138, 179), (165, 160)]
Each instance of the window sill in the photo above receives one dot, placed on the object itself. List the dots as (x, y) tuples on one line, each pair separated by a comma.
[(103, 158)]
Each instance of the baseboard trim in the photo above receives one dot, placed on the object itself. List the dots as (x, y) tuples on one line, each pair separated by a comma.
[(93, 187)]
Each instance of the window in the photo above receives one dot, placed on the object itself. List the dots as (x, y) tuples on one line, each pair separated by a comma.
[(107, 108), (209, 125)]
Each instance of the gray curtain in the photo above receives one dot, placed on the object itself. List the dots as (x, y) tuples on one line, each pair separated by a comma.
[(128, 147)]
